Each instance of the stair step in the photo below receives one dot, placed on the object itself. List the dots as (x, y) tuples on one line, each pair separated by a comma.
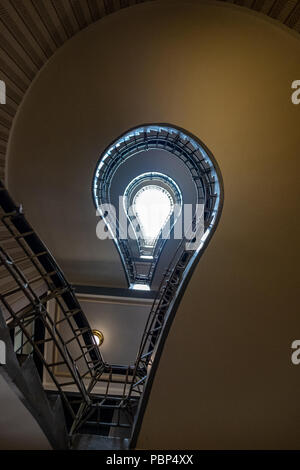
[(104, 423), (95, 442)]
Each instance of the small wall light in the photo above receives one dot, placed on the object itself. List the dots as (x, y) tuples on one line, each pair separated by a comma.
[(98, 337)]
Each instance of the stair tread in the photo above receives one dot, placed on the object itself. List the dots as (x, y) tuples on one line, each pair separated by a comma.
[(96, 442)]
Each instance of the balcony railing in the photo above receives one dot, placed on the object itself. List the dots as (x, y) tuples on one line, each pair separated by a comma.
[(32, 287)]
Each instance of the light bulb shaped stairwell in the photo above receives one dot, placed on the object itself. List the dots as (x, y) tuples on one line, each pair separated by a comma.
[(152, 202)]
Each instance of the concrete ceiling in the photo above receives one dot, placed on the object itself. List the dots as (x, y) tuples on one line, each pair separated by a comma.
[(31, 31), (122, 323)]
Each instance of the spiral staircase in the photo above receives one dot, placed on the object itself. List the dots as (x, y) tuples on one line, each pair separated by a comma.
[(39, 342)]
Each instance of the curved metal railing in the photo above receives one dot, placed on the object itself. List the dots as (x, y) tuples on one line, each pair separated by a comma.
[(156, 320), (41, 310)]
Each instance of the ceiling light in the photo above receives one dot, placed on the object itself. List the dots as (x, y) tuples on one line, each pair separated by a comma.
[(98, 337)]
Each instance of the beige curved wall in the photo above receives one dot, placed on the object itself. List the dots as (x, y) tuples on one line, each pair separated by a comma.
[(224, 74)]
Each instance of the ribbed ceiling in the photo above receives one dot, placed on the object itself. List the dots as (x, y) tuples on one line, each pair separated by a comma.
[(32, 30)]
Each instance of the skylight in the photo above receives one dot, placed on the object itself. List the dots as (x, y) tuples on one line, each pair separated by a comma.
[(140, 287), (153, 206)]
